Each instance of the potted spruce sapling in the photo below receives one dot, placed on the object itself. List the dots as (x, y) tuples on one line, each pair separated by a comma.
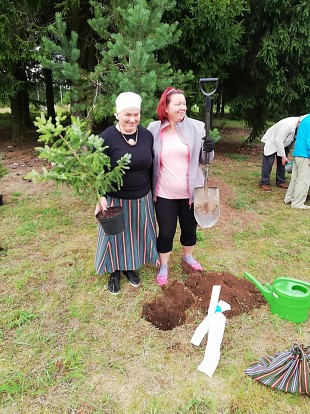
[(3, 172), (76, 157)]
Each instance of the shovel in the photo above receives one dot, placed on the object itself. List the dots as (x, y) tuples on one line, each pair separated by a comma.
[(207, 199)]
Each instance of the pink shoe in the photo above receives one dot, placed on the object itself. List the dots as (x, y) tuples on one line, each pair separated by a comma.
[(190, 261), (162, 280), (162, 276)]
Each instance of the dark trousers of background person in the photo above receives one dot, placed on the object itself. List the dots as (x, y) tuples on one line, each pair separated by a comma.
[(267, 164), (167, 213)]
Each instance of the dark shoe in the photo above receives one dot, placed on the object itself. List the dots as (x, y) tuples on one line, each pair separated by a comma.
[(265, 188), (283, 185), (133, 278), (114, 282)]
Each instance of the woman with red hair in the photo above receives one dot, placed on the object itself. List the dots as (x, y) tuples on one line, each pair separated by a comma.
[(179, 150)]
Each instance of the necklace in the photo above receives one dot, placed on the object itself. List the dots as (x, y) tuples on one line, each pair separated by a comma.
[(132, 142)]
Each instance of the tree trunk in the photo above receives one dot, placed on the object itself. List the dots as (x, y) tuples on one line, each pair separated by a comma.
[(27, 121), (49, 94), (223, 103), (218, 104), (17, 119), (20, 113), (24, 98)]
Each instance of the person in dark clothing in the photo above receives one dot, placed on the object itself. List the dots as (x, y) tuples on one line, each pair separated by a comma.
[(136, 245)]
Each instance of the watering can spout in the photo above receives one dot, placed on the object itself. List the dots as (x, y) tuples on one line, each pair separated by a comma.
[(265, 290)]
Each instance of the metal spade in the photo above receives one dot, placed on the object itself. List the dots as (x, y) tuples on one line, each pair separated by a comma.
[(207, 199)]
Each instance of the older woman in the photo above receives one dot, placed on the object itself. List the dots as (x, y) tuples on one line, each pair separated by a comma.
[(128, 251), (179, 148)]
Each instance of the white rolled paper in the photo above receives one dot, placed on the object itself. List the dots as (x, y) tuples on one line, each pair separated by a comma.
[(213, 324), (213, 348), (203, 327)]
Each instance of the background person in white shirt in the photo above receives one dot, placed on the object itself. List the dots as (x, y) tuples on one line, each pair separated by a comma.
[(278, 141)]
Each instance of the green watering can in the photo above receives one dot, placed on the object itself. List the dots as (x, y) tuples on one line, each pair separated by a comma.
[(288, 298)]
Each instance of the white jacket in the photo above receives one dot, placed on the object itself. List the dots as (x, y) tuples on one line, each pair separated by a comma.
[(280, 136)]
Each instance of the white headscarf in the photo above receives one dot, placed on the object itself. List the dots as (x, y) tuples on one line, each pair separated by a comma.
[(127, 100)]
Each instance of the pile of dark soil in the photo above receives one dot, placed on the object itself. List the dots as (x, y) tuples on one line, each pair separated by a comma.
[(179, 302)]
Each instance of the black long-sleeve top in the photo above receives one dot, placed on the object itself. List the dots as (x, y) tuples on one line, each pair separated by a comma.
[(137, 179)]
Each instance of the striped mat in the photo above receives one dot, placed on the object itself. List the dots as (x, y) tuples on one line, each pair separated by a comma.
[(287, 371)]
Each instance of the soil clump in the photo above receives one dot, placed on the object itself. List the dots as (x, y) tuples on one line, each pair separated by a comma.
[(181, 303)]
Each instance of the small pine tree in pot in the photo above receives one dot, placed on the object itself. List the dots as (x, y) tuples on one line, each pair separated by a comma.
[(77, 158)]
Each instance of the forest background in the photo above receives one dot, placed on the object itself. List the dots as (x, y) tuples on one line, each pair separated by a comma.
[(83, 53)]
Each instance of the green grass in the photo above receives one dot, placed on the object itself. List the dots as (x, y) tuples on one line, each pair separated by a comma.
[(241, 201), (237, 157), (5, 118), (68, 346), (228, 122)]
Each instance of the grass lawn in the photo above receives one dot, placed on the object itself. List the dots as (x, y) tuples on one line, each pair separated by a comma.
[(70, 347)]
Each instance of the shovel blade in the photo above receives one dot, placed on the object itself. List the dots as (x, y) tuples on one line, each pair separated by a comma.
[(207, 206)]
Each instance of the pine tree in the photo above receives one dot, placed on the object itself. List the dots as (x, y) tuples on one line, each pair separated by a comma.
[(60, 53), (130, 37)]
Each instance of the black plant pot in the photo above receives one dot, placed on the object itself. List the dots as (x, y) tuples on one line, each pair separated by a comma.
[(112, 221)]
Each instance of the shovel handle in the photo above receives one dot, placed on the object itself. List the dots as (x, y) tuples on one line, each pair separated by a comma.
[(208, 80), (207, 167), (207, 96)]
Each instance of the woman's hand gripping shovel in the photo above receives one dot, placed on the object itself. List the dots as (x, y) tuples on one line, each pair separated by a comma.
[(207, 199)]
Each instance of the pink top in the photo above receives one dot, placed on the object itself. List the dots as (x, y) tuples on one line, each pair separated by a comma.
[(174, 164)]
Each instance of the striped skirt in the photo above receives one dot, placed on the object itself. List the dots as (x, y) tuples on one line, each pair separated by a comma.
[(136, 245)]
